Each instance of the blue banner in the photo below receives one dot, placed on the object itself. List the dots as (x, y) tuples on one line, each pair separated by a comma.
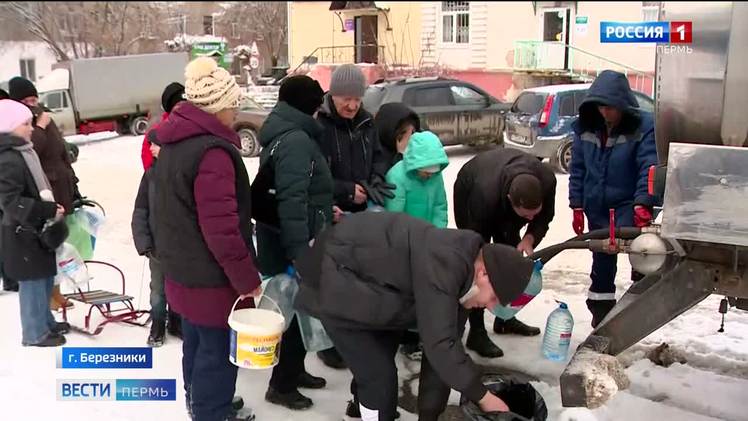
[(631, 32), (105, 358), (146, 389)]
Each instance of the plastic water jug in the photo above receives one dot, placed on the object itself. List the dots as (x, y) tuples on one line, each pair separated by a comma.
[(557, 337), (531, 291)]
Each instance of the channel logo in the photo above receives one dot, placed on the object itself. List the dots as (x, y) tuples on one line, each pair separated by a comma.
[(638, 32), (117, 390)]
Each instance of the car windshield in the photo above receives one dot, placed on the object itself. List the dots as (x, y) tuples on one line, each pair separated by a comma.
[(373, 98), (249, 104), (529, 103)]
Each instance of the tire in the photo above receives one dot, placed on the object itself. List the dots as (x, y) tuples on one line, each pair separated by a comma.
[(249, 141), (563, 158), (139, 125)]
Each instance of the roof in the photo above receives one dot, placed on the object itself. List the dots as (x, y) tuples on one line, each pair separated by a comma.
[(553, 89)]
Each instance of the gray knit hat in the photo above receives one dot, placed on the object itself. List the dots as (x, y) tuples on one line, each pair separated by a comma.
[(348, 80)]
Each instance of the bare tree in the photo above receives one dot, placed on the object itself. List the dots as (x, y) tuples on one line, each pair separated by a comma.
[(90, 29), (268, 19)]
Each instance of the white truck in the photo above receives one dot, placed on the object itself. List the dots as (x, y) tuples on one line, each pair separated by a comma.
[(109, 93)]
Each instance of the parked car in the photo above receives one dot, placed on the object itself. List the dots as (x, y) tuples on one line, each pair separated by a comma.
[(248, 122), (539, 121), (458, 112)]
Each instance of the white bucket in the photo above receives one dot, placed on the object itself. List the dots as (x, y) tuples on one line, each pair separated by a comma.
[(255, 337)]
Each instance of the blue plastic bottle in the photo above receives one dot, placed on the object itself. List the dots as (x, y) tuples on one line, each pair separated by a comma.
[(531, 291), (557, 337)]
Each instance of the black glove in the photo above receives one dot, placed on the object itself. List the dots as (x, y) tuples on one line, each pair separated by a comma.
[(372, 193), (384, 188)]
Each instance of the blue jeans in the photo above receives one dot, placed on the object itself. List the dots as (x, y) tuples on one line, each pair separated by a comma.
[(36, 318), (158, 296), (209, 376)]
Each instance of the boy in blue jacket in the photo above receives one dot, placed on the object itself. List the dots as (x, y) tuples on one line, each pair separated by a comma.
[(614, 146)]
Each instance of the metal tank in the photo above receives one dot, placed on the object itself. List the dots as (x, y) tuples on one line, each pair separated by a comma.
[(700, 246)]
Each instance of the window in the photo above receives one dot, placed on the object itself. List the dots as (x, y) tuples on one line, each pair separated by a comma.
[(467, 96), (28, 68), (208, 25), (650, 11), (529, 103), (53, 100), (428, 97), (579, 96), (645, 103), (456, 22), (234, 30), (566, 107)]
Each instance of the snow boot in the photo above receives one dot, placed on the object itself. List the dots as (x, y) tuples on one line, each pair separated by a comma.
[(514, 327), (413, 352), (307, 381), (479, 342), (291, 400), (156, 337), (51, 339), (244, 414), (332, 358), (599, 309), (10, 285), (353, 411), (174, 324), (61, 328)]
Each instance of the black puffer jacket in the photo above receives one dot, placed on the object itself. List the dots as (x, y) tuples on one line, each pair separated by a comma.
[(56, 163), (143, 215), (23, 212), (481, 190), (303, 186), (388, 119), (352, 150), (390, 271)]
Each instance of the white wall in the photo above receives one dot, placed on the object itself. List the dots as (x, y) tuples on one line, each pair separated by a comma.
[(13, 51)]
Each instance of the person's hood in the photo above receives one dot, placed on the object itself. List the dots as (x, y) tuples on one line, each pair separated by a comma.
[(424, 150), (612, 89), (186, 121), (10, 141), (285, 118), (389, 118), (328, 111)]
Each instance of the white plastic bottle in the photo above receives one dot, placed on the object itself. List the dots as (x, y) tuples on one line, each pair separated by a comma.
[(557, 337)]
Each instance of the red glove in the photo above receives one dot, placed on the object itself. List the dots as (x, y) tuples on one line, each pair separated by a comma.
[(642, 216), (578, 222)]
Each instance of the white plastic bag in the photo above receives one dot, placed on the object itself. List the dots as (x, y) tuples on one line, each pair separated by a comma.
[(91, 219), (71, 269)]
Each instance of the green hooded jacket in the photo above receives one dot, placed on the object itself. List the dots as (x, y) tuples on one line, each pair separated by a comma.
[(424, 199)]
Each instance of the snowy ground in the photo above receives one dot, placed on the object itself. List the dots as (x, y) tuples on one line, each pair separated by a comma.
[(713, 385)]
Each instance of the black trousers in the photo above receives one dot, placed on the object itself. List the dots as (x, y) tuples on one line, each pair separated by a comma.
[(370, 355), (291, 364)]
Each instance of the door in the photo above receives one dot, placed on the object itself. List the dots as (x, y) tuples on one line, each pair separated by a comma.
[(61, 109), (435, 106), (553, 53), (367, 43), (480, 122)]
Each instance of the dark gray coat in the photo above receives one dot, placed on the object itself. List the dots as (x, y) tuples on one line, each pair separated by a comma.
[(390, 271), (143, 216)]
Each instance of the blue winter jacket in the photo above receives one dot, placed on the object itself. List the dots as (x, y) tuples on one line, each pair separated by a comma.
[(611, 171)]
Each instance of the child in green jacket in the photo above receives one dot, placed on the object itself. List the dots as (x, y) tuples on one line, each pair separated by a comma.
[(420, 187)]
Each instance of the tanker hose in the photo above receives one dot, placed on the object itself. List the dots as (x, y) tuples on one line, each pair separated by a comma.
[(624, 233), (548, 253)]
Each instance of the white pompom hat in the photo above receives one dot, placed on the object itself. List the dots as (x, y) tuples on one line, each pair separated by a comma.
[(209, 87)]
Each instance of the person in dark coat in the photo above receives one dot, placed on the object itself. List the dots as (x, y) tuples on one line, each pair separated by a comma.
[(4, 95), (496, 194), (303, 190), (204, 232), (374, 275), (395, 123), (23, 186), (350, 143), (614, 146), (53, 154), (173, 94)]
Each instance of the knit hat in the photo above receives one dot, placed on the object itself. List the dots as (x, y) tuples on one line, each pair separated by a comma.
[(12, 115), (508, 270), (20, 88), (173, 93), (4, 95), (348, 80), (301, 92), (209, 87)]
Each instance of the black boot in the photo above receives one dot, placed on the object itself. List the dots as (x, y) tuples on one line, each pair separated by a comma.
[(291, 400), (353, 410), (514, 327), (307, 381), (174, 324), (61, 328), (241, 415), (479, 342), (10, 285), (51, 339), (156, 337), (599, 309), (332, 358)]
